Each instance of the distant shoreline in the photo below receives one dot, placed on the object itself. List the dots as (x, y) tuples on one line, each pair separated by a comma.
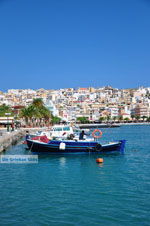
[(134, 123), (110, 125)]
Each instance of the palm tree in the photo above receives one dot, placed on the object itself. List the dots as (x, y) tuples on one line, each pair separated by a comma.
[(38, 102), (25, 114), (44, 114), (36, 113)]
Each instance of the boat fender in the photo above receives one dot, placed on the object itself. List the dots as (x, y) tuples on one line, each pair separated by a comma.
[(98, 147), (62, 146)]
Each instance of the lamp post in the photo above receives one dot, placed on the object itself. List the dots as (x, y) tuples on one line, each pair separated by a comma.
[(7, 114)]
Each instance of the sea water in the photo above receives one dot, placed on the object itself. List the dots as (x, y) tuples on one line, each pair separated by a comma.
[(75, 190)]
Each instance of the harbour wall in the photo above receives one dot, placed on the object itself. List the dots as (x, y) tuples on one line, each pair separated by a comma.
[(11, 138), (109, 125)]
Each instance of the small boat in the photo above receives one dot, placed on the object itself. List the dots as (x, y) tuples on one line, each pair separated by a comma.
[(74, 146)]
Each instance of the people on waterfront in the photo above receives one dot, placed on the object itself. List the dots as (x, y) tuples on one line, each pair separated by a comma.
[(12, 127), (27, 135)]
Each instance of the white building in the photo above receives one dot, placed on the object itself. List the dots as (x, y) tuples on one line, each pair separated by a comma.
[(114, 111), (49, 104)]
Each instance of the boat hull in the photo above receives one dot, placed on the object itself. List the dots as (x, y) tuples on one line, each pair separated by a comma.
[(74, 147)]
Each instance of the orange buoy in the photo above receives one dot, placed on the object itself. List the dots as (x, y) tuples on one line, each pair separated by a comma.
[(99, 160)]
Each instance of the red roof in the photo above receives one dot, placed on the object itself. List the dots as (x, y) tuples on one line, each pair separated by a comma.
[(18, 107), (83, 88)]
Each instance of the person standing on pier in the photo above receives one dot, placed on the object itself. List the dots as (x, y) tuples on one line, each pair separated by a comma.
[(27, 135)]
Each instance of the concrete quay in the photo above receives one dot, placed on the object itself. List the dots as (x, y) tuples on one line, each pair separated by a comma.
[(11, 138)]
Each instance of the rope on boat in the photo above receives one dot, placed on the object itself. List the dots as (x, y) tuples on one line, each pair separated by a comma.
[(31, 146)]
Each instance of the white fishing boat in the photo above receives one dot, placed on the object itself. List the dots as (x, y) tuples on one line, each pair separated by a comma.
[(57, 131)]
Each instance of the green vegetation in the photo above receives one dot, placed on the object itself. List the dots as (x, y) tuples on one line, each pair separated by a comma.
[(5, 109), (55, 119), (120, 118), (108, 118), (148, 119), (137, 117), (126, 119), (101, 119), (133, 117), (114, 118), (83, 119), (36, 114), (144, 118)]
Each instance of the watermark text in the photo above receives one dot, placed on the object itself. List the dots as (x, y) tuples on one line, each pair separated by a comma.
[(19, 159)]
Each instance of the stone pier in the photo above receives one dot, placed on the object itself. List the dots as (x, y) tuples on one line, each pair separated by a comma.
[(8, 139)]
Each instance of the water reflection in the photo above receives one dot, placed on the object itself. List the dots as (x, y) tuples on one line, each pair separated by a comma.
[(100, 165), (62, 161)]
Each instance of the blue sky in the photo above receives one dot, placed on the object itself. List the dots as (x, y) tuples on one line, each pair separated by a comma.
[(74, 43)]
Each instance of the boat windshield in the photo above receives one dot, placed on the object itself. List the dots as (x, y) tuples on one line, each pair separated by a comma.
[(58, 129), (66, 129)]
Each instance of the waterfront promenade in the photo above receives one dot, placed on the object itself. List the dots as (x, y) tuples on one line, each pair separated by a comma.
[(10, 138)]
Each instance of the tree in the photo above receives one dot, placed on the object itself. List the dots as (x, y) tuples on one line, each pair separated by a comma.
[(148, 119), (36, 113), (25, 114), (38, 102), (132, 116), (83, 119), (120, 117), (137, 117), (126, 119), (5, 109), (101, 119), (144, 117), (55, 119), (114, 118), (108, 118)]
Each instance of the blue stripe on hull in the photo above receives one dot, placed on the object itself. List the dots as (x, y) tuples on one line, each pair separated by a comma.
[(54, 147)]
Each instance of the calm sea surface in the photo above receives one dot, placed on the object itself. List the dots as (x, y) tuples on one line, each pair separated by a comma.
[(74, 190)]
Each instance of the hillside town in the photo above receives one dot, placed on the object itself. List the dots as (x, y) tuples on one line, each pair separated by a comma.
[(94, 104)]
